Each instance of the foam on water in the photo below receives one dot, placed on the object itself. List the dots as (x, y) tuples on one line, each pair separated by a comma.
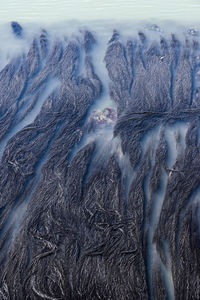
[(106, 145), (12, 46), (158, 199), (175, 137)]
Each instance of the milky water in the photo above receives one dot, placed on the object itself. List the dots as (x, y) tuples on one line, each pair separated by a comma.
[(59, 10), (65, 19), (172, 133), (52, 84)]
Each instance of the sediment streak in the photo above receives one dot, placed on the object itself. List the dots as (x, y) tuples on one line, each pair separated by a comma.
[(99, 180)]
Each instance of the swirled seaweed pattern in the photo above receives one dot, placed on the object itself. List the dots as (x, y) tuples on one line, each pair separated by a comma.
[(85, 215)]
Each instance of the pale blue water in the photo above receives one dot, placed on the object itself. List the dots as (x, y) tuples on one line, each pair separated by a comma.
[(61, 10)]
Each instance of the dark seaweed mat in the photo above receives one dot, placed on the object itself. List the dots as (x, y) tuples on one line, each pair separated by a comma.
[(84, 235)]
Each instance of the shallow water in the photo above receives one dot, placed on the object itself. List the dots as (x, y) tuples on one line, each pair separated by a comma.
[(106, 145), (29, 118), (52, 10)]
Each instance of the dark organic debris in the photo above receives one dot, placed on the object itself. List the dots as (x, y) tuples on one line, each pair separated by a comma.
[(110, 216)]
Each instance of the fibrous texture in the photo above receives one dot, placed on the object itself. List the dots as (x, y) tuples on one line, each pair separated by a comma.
[(100, 204)]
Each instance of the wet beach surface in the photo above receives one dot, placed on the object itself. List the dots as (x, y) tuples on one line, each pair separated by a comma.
[(100, 156)]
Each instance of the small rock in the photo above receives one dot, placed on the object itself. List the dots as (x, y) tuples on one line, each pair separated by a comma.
[(193, 32), (17, 29)]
